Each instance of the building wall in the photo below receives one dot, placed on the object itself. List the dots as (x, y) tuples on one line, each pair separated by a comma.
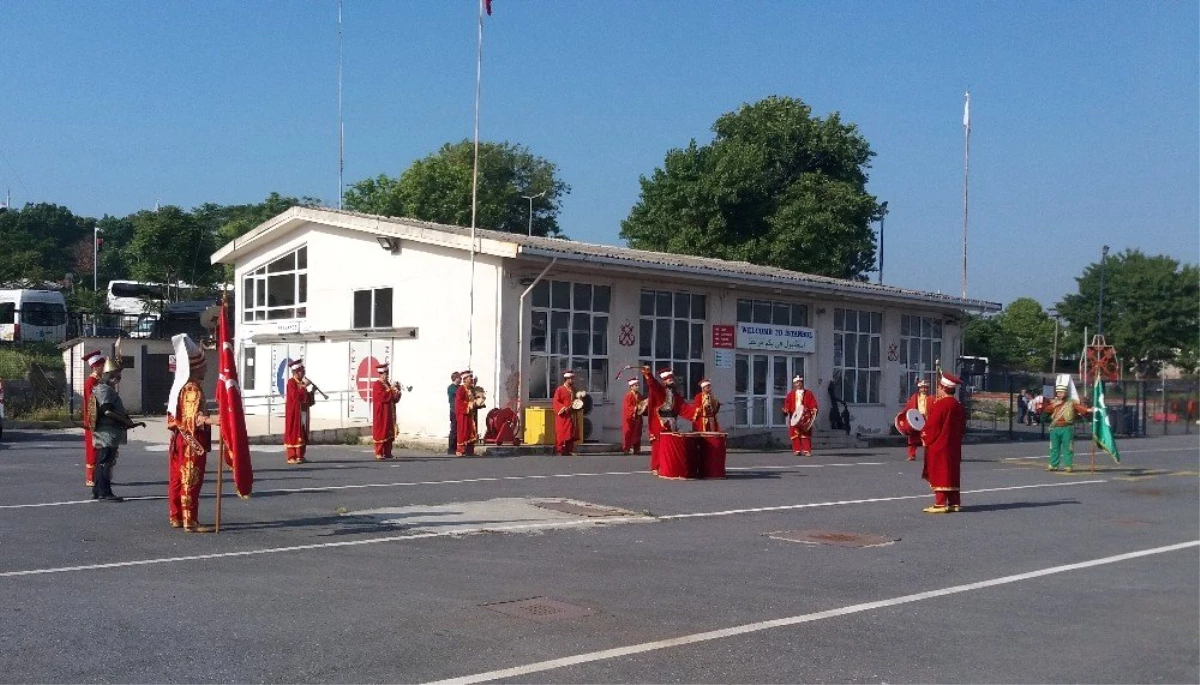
[(431, 287)]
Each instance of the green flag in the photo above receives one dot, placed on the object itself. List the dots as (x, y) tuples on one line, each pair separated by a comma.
[(1102, 433)]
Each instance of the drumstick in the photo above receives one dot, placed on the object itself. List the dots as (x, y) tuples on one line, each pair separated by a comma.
[(627, 367)]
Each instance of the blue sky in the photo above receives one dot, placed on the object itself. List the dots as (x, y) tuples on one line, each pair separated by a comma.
[(1085, 115)]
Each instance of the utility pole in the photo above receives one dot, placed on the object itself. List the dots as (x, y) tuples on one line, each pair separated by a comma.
[(531, 198)]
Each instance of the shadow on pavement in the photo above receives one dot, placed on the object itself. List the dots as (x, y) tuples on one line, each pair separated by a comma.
[(1006, 506)]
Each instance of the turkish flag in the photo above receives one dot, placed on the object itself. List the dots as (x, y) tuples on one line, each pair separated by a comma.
[(231, 411)]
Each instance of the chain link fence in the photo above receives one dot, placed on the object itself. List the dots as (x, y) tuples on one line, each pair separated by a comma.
[(1007, 405)]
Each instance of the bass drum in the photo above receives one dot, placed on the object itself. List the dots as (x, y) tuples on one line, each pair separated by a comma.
[(910, 422)]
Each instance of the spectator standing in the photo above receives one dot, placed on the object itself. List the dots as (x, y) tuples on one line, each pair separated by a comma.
[(451, 391)]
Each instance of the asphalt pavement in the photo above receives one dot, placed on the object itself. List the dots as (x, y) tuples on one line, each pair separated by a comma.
[(588, 569)]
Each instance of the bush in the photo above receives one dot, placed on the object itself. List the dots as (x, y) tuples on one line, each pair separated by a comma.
[(16, 358)]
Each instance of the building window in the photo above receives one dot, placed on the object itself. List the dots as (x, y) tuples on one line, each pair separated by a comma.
[(672, 335), (920, 351), (373, 308), (774, 313), (761, 384), (278, 290), (569, 332), (248, 355), (856, 336)]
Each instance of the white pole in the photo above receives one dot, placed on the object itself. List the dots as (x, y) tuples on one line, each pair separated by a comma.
[(966, 169), (475, 190), (341, 126)]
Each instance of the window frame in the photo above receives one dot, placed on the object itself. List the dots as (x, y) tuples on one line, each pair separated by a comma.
[(764, 409), (256, 289), (582, 341), (657, 350), (372, 308), (857, 382), (926, 366)]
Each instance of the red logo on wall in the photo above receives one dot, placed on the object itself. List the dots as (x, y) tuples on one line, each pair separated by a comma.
[(723, 337), (367, 373)]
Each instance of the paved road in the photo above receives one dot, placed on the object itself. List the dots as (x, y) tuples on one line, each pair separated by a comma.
[(348, 570)]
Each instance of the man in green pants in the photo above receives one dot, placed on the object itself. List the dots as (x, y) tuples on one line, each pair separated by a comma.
[(1063, 412)]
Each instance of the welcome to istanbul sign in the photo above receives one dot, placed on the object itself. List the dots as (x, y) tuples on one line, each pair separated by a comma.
[(794, 339)]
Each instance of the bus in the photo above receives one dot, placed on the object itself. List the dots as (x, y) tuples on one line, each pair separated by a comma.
[(130, 297), (33, 315)]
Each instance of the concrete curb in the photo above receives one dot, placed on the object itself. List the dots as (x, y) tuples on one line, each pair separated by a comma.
[(40, 425), (330, 436)]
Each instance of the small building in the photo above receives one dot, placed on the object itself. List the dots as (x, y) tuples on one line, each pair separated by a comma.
[(346, 291)]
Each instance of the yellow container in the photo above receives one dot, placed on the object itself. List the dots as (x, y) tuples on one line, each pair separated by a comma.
[(539, 426)]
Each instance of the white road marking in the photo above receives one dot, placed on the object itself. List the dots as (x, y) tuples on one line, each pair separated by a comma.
[(811, 505), (1123, 452), (459, 481), (518, 527), (518, 672)]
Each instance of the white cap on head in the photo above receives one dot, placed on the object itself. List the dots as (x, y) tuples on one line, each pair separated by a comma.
[(296, 364), (568, 374), (949, 381), (666, 373), (93, 358), (633, 382), (706, 383), (798, 379)]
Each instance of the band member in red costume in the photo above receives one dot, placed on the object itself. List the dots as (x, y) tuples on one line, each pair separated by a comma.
[(384, 397), (663, 408), (296, 425), (464, 410), (631, 420), (801, 433), (191, 436), (704, 408), (920, 402), (95, 361), (943, 437), (565, 416)]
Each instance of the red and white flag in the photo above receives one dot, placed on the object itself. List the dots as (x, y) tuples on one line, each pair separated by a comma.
[(231, 411)]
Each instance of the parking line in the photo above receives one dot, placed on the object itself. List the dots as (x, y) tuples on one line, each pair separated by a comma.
[(489, 529), (518, 672)]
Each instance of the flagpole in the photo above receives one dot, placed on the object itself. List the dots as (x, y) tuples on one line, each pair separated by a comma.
[(220, 479), (341, 126), (966, 170), (475, 189)]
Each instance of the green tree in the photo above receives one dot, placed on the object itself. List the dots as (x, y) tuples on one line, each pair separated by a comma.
[(1026, 335), (776, 186), (39, 242), (438, 188), (170, 245), (981, 336), (1151, 309)]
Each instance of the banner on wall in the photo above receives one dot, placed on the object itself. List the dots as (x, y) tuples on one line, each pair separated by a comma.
[(767, 337)]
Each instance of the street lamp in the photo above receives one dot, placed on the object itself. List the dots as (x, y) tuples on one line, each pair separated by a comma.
[(95, 270), (531, 198), (882, 216), (1100, 305)]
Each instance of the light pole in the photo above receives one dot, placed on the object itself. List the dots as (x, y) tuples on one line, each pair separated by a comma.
[(1100, 305), (1054, 355), (882, 216), (95, 270), (531, 198)]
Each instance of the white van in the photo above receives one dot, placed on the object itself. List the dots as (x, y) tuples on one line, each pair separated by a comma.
[(33, 316)]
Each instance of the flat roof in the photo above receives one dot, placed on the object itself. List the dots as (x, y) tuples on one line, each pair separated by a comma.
[(516, 246)]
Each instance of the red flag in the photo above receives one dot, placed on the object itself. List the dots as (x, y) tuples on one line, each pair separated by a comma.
[(487, 5), (231, 411)]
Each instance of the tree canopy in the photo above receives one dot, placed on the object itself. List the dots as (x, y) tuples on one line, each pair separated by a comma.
[(777, 186), (1021, 337), (1151, 309), (438, 189)]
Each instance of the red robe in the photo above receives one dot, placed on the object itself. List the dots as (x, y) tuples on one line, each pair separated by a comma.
[(467, 433), (671, 403), (914, 441), (89, 450), (565, 430), (296, 425), (704, 414), (801, 439), (188, 454), (631, 423), (383, 417), (943, 437)]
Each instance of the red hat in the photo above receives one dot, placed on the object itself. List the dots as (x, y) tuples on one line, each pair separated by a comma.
[(633, 382), (923, 383), (568, 374), (94, 358), (949, 381), (798, 379), (296, 364), (666, 372), (705, 383), (381, 367)]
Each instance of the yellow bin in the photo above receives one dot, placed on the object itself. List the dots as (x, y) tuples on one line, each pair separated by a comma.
[(539, 426)]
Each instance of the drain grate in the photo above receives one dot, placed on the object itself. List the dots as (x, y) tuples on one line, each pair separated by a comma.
[(830, 537), (539, 609), (581, 508)]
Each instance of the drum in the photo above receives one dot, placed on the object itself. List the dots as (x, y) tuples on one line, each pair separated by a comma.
[(672, 455), (711, 457), (910, 422)]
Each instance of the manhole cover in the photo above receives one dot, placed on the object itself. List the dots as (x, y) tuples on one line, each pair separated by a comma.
[(581, 508), (540, 609), (829, 537)]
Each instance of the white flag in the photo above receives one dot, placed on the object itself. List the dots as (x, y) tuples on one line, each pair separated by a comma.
[(967, 111)]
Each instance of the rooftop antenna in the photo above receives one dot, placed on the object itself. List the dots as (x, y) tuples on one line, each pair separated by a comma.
[(341, 126)]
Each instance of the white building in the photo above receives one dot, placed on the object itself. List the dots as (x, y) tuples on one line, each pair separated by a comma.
[(341, 289)]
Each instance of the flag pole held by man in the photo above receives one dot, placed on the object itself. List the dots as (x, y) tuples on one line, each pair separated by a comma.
[(231, 411), (1102, 433)]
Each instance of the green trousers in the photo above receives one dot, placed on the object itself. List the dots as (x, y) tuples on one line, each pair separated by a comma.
[(1062, 446)]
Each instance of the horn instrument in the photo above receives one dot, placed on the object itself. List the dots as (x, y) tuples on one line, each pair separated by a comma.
[(307, 381)]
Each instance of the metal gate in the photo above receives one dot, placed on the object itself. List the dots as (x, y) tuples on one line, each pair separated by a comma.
[(156, 384)]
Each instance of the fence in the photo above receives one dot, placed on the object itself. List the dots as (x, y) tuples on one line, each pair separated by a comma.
[(135, 326), (1137, 408)]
